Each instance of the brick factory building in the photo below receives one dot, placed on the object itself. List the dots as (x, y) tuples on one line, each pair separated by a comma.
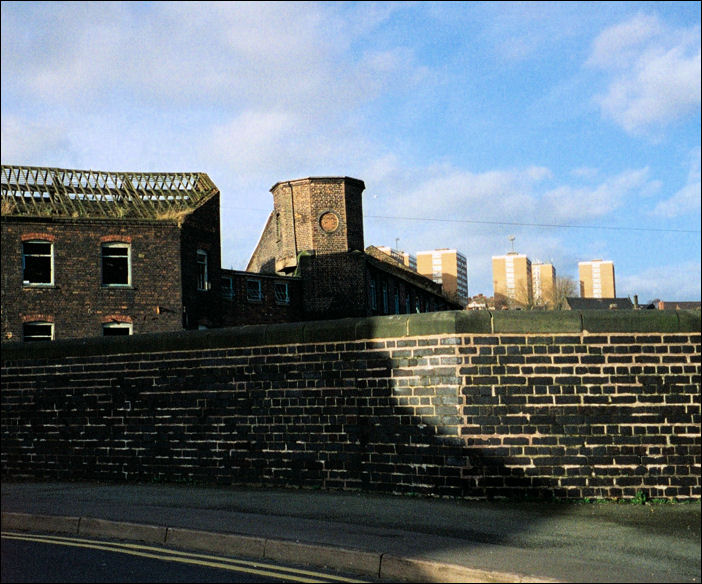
[(316, 232), (89, 253)]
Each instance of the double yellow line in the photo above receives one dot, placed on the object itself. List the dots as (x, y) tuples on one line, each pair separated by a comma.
[(256, 568)]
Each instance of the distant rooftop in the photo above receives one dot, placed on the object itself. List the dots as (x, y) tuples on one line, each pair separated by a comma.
[(575, 303), (32, 191)]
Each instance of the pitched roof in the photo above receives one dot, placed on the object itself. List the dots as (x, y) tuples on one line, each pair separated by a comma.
[(32, 191), (576, 303), (676, 305)]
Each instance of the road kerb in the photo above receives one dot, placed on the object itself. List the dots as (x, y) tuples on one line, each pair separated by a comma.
[(342, 559), (385, 566), (221, 543), (93, 527), (46, 523)]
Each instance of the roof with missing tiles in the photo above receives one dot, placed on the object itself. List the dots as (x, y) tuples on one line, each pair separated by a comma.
[(30, 191)]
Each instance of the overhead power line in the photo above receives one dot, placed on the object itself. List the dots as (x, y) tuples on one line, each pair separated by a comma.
[(556, 225), (515, 223)]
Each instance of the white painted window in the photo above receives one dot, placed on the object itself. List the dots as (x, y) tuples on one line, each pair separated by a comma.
[(37, 263), (113, 329), (37, 331), (116, 264)]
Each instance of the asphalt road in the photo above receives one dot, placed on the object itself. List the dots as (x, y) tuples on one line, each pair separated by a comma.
[(50, 558)]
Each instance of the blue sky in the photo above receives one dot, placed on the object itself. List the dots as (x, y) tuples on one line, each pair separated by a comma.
[(573, 126)]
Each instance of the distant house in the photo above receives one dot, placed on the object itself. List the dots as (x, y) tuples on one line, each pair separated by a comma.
[(479, 302), (676, 305), (576, 303)]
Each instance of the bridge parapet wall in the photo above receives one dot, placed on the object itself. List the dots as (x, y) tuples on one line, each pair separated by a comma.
[(478, 405)]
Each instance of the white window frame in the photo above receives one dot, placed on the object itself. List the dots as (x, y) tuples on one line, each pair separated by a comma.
[(203, 275), (37, 338), (373, 294), (107, 245), (51, 261), (116, 325)]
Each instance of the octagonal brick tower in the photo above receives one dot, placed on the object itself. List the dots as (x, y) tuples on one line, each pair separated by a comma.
[(316, 215)]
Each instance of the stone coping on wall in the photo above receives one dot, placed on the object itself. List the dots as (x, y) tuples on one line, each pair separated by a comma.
[(377, 327)]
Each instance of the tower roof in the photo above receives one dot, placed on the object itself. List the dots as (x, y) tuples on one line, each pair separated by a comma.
[(313, 179), (32, 191)]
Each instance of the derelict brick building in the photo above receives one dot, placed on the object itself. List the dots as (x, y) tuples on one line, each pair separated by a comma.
[(316, 232), (88, 253)]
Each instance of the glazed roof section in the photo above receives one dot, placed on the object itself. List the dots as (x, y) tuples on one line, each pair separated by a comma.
[(32, 191)]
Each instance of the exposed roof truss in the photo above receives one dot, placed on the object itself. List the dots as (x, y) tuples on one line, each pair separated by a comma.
[(56, 192)]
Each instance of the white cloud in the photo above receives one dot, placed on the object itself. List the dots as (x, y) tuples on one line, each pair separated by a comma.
[(679, 282), (291, 55), (252, 138), (518, 31), (25, 142), (451, 192), (687, 199), (567, 202), (71, 49), (654, 73), (619, 45)]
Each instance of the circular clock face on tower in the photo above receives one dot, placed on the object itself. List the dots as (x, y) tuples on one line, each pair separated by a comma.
[(329, 221)]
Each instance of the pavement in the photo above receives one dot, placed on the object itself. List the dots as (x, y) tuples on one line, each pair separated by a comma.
[(379, 537)]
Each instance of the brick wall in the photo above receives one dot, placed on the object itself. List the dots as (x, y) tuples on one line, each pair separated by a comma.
[(239, 307), (200, 231), (461, 404), (76, 302)]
